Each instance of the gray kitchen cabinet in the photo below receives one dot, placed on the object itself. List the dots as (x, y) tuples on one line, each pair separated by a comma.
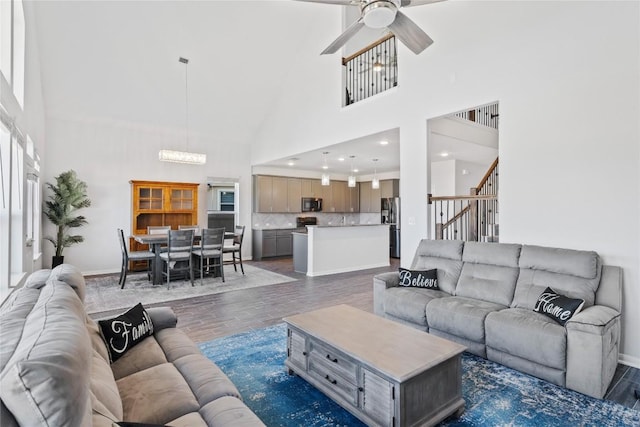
[(338, 196), (311, 187), (279, 195), (272, 243), (353, 198)]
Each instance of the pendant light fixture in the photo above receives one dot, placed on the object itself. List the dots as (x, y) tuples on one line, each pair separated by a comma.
[(326, 179), (351, 182), (184, 156), (375, 182)]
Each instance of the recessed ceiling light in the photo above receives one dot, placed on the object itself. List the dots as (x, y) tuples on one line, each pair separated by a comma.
[(325, 167), (356, 170), (341, 159), (384, 142), (290, 163), (444, 154)]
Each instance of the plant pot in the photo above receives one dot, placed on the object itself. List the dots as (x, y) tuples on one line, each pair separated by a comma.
[(56, 261)]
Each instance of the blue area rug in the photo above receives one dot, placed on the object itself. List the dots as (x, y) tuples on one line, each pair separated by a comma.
[(494, 395)]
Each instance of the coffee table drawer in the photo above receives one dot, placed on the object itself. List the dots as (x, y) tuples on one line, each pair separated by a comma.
[(334, 360), (328, 377)]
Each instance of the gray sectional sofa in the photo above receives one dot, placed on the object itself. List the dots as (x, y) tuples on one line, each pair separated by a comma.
[(55, 368), (486, 299)]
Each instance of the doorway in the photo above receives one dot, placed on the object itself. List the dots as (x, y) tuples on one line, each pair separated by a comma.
[(462, 150)]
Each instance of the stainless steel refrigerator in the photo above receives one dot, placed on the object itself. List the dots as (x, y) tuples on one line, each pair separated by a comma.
[(390, 214)]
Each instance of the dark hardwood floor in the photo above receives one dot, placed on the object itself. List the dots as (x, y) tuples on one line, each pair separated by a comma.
[(212, 316)]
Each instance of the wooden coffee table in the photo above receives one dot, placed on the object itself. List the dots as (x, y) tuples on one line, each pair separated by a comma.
[(381, 371)]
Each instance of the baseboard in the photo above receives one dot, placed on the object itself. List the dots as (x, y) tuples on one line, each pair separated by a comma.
[(625, 359)]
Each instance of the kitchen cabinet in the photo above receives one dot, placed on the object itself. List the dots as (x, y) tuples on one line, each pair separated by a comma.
[(353, 199), (272, 194), (369, 198), (272, 243), (338, 196), (390, 188), (294, 194), (311, 187)]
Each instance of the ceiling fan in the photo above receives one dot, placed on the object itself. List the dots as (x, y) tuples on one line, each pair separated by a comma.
[(381, 14)]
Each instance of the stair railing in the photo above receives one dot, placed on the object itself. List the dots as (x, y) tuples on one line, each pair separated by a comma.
[(371, 70), (470, 218)]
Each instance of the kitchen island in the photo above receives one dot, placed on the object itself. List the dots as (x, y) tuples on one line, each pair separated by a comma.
[(341, 248)]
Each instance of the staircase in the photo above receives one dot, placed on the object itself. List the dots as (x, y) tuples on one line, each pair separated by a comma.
[(470, 218)]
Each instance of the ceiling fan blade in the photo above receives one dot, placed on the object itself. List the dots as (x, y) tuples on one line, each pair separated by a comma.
[(409, 3), (409, 33), (338, 2), (344, 37)]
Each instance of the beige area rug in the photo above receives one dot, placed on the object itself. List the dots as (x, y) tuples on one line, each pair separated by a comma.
[(104, 293)]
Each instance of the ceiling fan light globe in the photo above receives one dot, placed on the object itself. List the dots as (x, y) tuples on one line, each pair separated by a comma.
[(379, 14)]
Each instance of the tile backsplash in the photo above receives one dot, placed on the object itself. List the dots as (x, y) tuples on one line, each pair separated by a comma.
[(280, 220)]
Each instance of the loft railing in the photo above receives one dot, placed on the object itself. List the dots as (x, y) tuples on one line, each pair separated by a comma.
[(469, 218), (486, 116), (371, 70)]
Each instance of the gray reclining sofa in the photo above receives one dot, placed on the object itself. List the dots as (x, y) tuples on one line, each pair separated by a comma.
[(486, 299), (55, 368)]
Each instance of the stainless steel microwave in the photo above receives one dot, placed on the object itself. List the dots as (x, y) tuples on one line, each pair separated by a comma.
[(311, 204)]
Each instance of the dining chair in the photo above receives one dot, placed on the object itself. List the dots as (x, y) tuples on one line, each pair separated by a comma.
[(236, 247), (210, 248), (178, 251), (196, 233), (131, 256), (159, 229)]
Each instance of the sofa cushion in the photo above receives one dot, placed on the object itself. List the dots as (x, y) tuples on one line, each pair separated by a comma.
[(460, 316), (206, 380), (145, 355), (575, 274), (427, 279), (489, 272), (70, 275), (156, 395), (409, 304), (175, 344), (527, 335), (229, 411), (104, 387), (52, 359), (123, 332), (558, 307), (443, 255)]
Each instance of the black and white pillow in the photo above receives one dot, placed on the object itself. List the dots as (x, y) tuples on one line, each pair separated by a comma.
[(426, 279), (558, 307), (125, 331)]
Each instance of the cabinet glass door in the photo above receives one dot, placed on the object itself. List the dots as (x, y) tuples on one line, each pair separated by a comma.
[(181, 199), (150, 198)]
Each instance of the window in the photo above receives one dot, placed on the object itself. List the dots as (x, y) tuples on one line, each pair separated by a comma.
[(226, 201), (5, 156), (12, 46)]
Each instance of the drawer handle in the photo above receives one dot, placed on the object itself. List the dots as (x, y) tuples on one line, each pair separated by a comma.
[(304, 353), (334, 382), (360, 389), (334, 360)]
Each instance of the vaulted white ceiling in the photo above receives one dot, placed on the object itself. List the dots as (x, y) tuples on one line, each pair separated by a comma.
[(118, 60)]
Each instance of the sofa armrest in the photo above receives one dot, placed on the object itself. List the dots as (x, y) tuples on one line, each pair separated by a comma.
[(381, 283), (595, 332), (162, 318)]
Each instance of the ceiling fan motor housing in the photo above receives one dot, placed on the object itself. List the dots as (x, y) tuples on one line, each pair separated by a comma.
[(380, 13)]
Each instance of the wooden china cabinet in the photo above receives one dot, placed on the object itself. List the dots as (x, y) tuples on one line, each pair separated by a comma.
[(161, 203)]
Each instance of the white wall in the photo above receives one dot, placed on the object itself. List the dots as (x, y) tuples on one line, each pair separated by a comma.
[(566, 75), (108, 154)]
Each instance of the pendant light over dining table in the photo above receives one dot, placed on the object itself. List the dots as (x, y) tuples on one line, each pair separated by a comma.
[(184, 156)]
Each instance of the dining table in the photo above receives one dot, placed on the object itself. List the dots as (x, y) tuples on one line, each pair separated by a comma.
[(155, 242)]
